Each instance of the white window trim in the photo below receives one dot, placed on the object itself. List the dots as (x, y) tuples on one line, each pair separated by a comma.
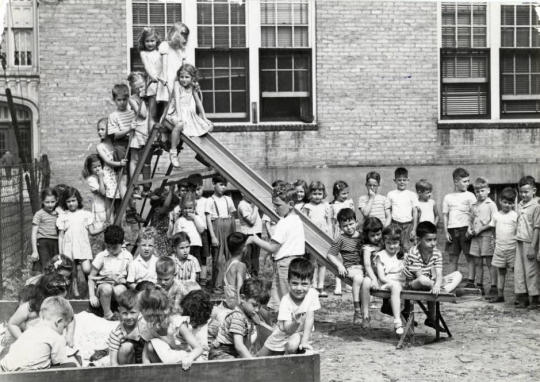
[(253, 44), (494, 44)]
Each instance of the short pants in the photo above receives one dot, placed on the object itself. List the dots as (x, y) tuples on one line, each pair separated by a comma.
[(405, 238), (354, 270), (459, 242), (504, 259), (482, 246)]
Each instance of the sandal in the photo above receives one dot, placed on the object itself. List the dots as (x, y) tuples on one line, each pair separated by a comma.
[(357, 318), (398, 328)]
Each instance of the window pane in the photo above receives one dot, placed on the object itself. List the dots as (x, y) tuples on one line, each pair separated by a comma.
[(174, 13), (268, 14), (204, 37), (223, 102), (221, 37), (268, 62), (464, 14), (301, 79), (157, 14), (140, 14), (238, 102), (479, 14), (507, 37), (522, 63), (479, 67), (522, 84), (464, 37), (449, 67), (204, 13), (448, 37), (238, 37), (284, 62), (301, 37), (507, 15), (523, 15), (285, 81), (238, 15), (448, 14), (535, 84), (300, 62), (284, 37), (522, 37), (221, 14), (268, 37), (479, 37), (284, 14), (507, 84), (300, 12), (268, 81), (23, 47), (464, 99), (238, 79), (208, 102)]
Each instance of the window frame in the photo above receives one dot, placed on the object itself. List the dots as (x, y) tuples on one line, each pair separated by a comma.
[(8, 39), (495, 80)]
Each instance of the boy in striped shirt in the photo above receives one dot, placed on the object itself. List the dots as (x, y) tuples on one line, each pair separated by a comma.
[(125, 342), (349, 245), (423, 269)]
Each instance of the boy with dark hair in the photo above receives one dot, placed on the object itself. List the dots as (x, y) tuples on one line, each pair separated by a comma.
[(373, 204), (125, 342), (296, 315), (427, 208), (528, 228), (504, 223), (108, 277), (349, 245), (483, 242), (423, 269), (403, 206), (457, 213), (287, 242), (220, 223)]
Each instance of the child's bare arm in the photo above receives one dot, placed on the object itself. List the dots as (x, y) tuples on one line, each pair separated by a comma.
[(96, 231), (289, 327), (35, 253), (198, 223), (70, 333), (61, 241), (534, 244), (446, 232), (213, 237), (94, 301), (369, 268), (415, 223), (19, 317), (240, 346), (113, 355), (196, 347), (107, 161), (240, 277), (337, 262), (271, 246), (308, 328), (366, 209), (176, 92), (436, 214), (380, 272)]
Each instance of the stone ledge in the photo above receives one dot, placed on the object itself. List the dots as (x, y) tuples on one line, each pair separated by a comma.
[(488, 125), (221, 128)]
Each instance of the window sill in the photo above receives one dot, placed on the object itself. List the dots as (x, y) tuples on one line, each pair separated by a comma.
[(491, 125), (266, 126)]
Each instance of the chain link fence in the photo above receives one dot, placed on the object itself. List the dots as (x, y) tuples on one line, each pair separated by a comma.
[(19, 199)]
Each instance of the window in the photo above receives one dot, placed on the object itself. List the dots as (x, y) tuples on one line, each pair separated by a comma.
[(158, 14), (18, 41), (520, 62), (222, 59), (285, 61), (464, 61)]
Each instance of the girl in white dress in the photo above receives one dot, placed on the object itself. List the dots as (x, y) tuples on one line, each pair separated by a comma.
[(74, 226), (183, 110), (173, 56), (319, 212), (149, 42)]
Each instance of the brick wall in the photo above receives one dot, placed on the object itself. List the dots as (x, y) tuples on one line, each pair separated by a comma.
[(82, 49), (377, 92)]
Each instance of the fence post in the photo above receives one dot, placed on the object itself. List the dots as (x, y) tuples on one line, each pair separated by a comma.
[(21, 214)]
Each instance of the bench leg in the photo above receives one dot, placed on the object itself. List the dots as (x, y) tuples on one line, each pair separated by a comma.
[(409, 328), (440, 318)]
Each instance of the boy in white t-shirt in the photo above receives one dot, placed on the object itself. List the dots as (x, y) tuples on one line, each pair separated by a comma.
[(427, 208), (458, 217), (505, 224), (403, 205), (296, 315), (287, 243)]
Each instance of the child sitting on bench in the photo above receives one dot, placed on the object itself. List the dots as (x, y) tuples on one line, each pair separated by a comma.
[(423, 269)]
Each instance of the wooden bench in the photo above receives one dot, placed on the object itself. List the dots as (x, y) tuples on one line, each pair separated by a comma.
[(420, 296)]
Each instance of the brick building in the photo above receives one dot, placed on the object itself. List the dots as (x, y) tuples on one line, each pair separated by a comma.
[(312, 89)]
